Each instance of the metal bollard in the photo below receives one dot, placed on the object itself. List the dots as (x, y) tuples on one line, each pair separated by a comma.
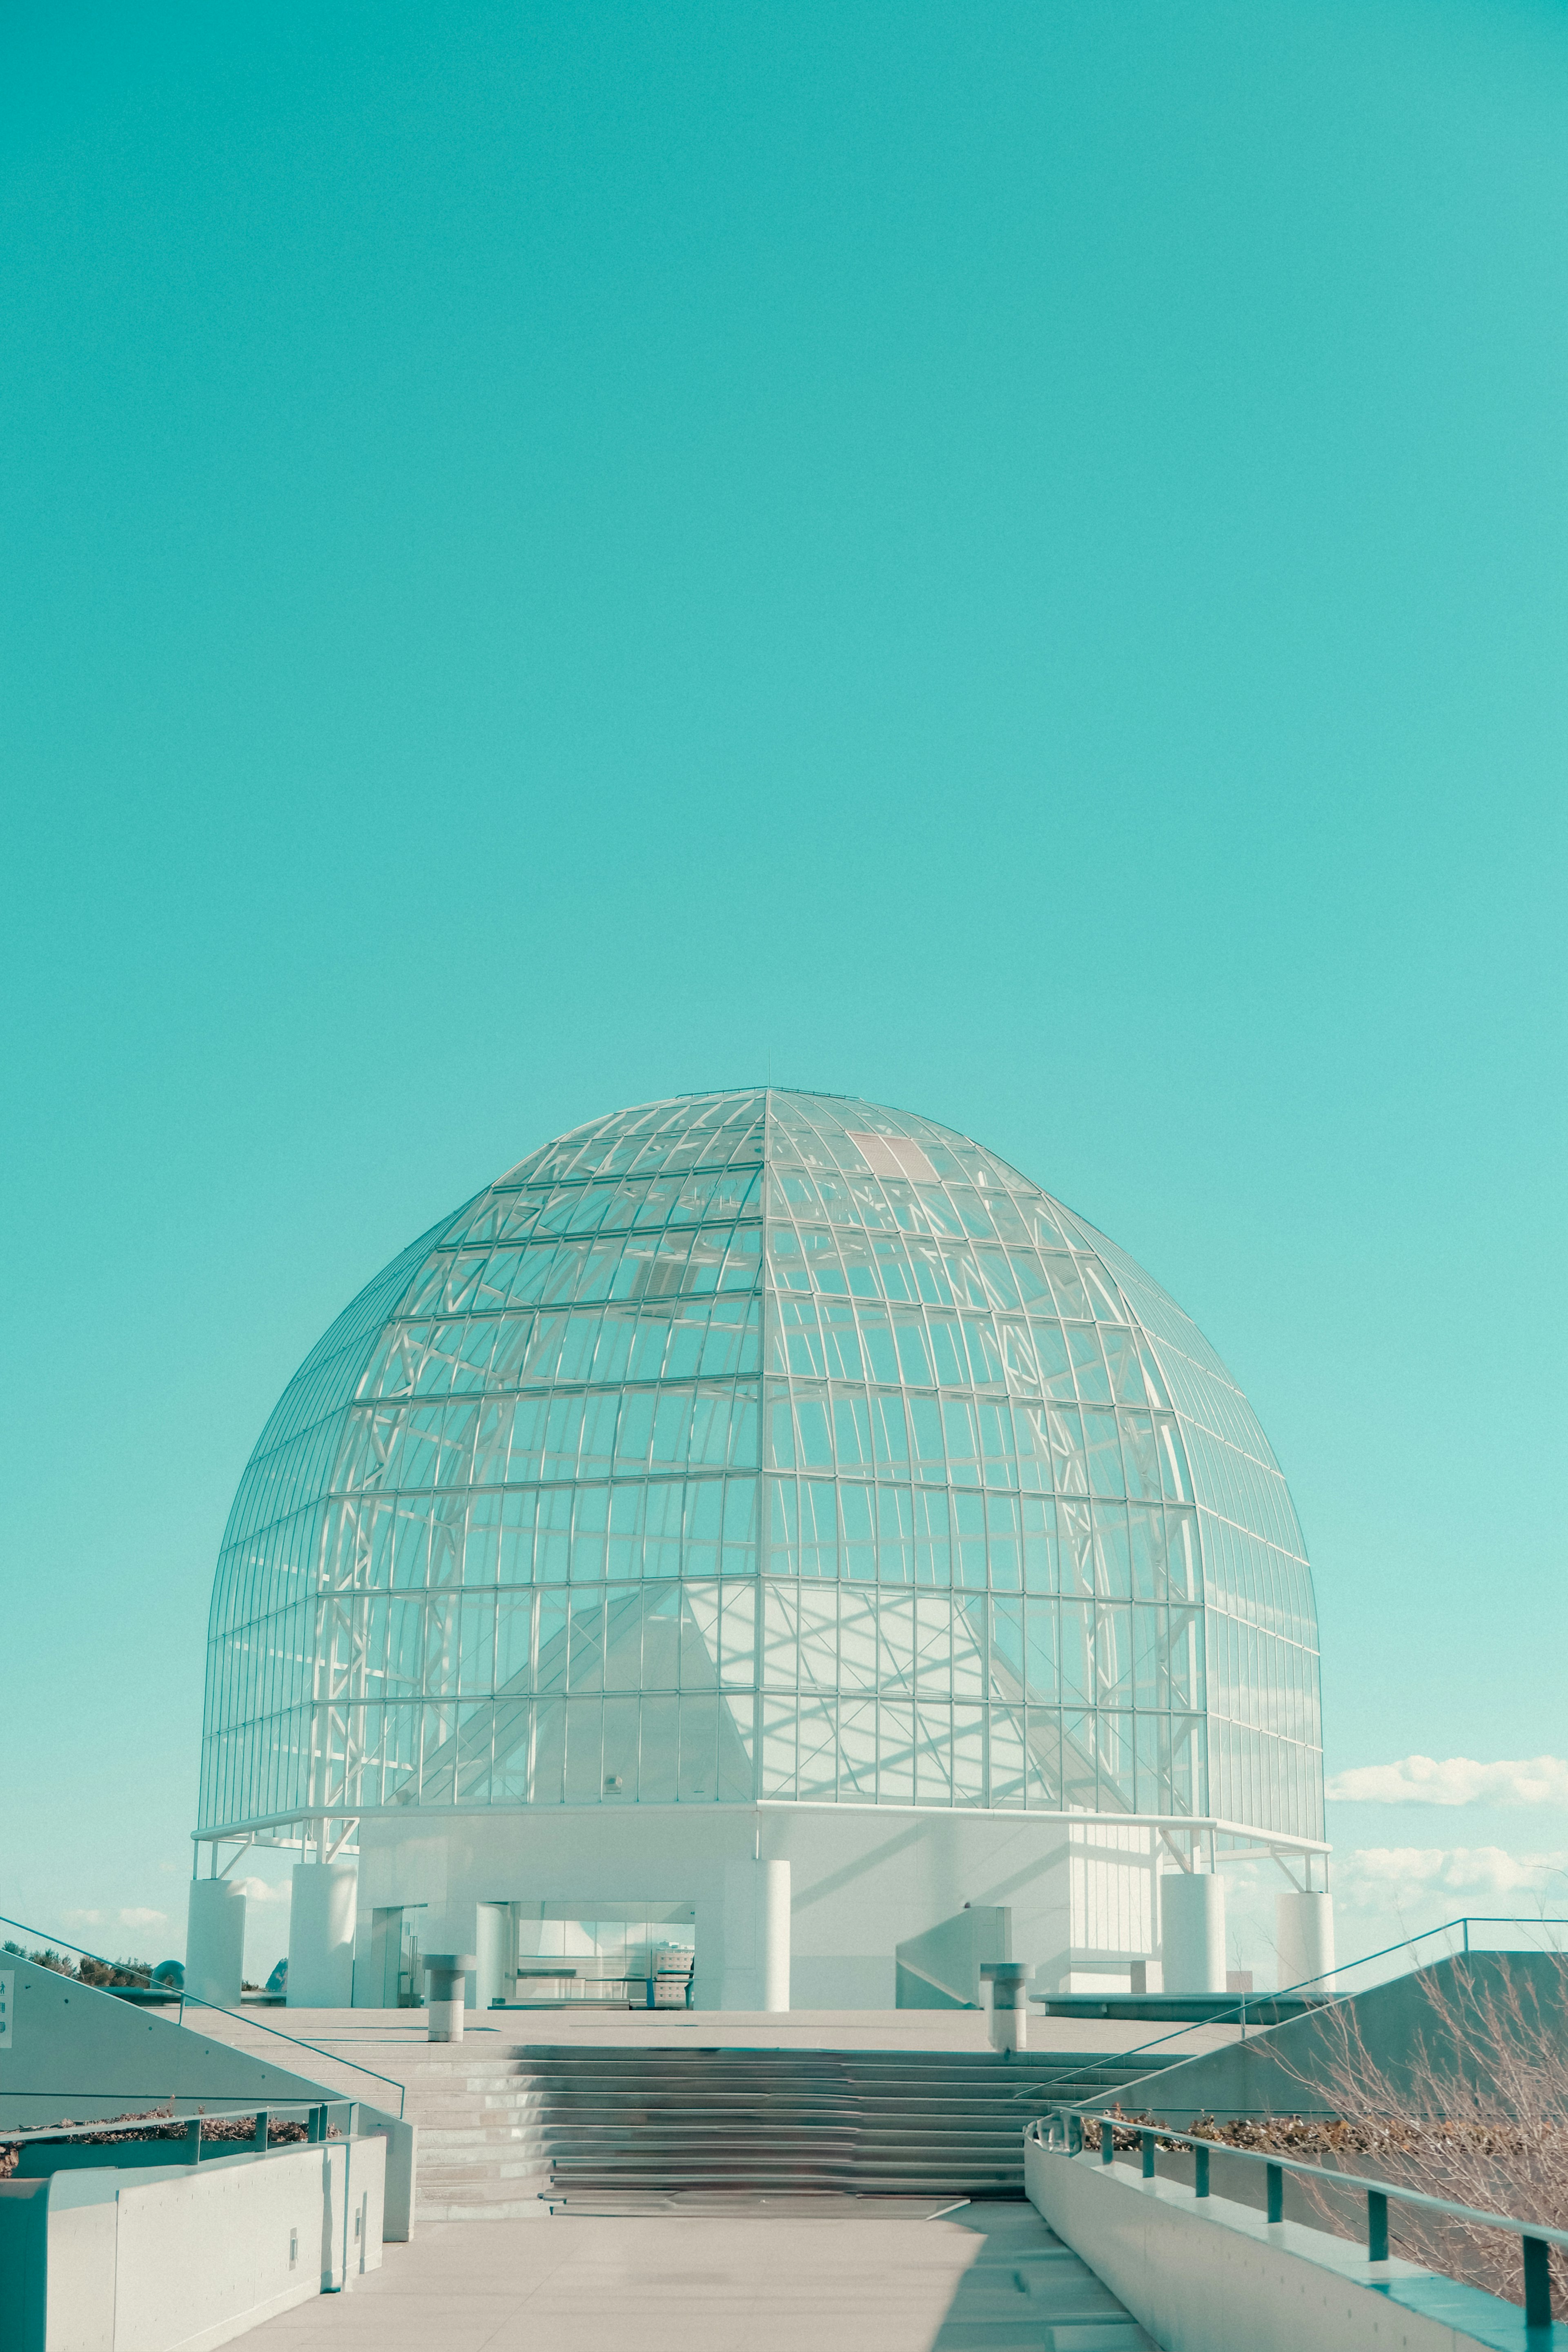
[(443, 1975), (1010, 2013)]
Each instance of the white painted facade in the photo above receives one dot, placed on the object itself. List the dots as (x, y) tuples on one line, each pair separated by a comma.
[(859, 1881)]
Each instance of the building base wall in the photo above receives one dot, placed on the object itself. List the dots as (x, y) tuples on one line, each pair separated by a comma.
[(862, 1880)]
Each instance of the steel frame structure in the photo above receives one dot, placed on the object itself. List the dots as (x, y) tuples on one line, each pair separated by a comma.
[(761, 1447)]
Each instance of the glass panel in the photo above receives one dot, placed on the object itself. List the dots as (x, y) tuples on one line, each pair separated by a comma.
[(508, 1512)]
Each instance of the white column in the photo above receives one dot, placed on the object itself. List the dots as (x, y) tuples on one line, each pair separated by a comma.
[(321, 1934), (1192, 1941), (491, 1938), (1303, 1930), (214, 1941), (774, 1934)]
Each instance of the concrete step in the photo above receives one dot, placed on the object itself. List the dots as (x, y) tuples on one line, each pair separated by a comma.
[(653, 2124)]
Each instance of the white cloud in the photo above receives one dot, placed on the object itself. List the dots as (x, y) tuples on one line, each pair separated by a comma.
[(1376, 1876), (1456, 1781), (259, 1890), (139, 1918)]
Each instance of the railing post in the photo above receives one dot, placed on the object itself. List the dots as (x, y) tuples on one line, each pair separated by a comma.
[(1201, 2172), (1376, 2226), (261, 2127), (1107, 2141), (1148, 2143), (194, 2140), (1276, 2192), (1537, 2283)]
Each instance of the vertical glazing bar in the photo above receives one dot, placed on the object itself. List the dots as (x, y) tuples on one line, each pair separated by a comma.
[(1148, 2145), (1376, 2226), (1201, 2172), (1537, 2283), (1276, 2192)]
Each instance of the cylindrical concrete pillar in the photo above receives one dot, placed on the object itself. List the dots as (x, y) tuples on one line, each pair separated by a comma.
[(1303, 1930), (1009, 2003), (445, 1974), (1192, 1945), (321, 1934), (214, 1942), (776, 1934)]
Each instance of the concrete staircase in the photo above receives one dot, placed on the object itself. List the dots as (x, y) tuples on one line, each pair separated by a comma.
[(507, 2134)]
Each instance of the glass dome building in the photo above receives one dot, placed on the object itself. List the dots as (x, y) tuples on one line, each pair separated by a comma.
[(759, 1462)]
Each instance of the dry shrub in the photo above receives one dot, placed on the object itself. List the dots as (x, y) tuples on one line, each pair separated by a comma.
[(1477, 2115), (161, 2123)]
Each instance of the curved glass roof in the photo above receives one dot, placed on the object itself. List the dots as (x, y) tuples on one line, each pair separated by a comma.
[(763, 1444)]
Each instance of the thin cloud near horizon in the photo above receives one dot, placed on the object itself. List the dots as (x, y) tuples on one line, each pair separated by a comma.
[(1453, 1780)]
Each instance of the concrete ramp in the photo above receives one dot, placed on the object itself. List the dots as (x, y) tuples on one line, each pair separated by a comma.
[(941, 1969), (78, 2053)]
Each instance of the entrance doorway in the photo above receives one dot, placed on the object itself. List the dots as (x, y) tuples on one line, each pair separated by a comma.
[(396, 1977), (638, 1953)]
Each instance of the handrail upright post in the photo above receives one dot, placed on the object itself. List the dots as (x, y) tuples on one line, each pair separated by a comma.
[(1148, 2140), (1537, 2283), (1376, 2226), (1276, 2192), (261, 2123), (1107, 2141), (1201, 2172), (194, 2140)]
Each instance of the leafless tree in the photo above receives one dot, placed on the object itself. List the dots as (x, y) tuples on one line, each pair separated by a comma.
[(1476, 2114)]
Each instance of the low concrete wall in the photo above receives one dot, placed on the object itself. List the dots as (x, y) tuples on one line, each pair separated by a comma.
[(1207, 2275), (77, 2054), (184, 2258)]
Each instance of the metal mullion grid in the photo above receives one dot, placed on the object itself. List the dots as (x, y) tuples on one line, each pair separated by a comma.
[(764, 1495)]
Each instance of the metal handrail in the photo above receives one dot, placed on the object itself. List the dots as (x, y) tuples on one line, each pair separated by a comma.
[(1237, 2013), (1537, 2238), (58, 1943)]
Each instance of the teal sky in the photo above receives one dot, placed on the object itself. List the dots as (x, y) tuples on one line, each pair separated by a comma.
[(1009, 560)]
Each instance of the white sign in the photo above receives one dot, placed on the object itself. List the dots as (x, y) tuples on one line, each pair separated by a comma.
[(8, 2002)]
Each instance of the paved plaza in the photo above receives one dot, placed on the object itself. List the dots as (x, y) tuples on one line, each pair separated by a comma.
[(987, 2278)]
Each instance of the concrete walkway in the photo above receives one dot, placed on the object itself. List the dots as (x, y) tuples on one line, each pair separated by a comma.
[(989, 2278)]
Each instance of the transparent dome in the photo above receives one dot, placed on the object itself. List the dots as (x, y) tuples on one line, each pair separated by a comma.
[(763, 1444)]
